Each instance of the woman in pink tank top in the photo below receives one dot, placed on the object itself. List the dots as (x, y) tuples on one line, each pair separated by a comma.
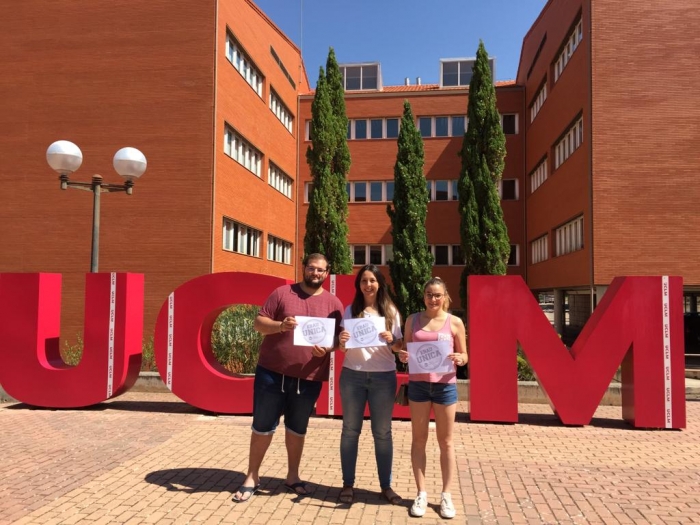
[(432, 385)]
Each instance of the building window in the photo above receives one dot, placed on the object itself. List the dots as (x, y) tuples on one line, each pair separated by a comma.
[(538, 175), (454, 126), (458, 72), (279, 180), (243, 64), (457, 257), (379, 128), (514, 257), (569, 237), (281, 65), (569, 143), (442, 190), (281, 112), (360, 77), (308, 188), (572, 42), (509, 122), (508, 189), (539, 99), (241, 151), (379, 191), (447, 254), (539, 249), (378, 254), (278, 250), (241, 238)]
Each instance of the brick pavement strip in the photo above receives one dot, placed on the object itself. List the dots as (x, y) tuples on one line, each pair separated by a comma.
[(149, 458)]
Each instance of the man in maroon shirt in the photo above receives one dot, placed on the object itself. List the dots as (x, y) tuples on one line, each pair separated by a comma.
[(288, 378)]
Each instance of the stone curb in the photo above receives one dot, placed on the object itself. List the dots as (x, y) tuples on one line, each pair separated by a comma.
[(528, 391)]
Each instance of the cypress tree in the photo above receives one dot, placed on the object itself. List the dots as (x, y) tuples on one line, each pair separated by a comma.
[(485, 242), (329, 160), (412, 264)]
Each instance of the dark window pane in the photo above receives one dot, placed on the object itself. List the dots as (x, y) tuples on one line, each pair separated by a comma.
[(360, 129), (458, 128), (352, 78), (465, 73), (449, 74), (359, 254), (375, 191), (369, 77), (508, 187), (347, 188), (457, 258), (455, 192), (513, 258), (375, 255), (425, 125), (392, 128), (389, 252), (440, 190), (311, 130), (390, 191), (376, 129), (509, 124), (441, 126), (360, 192), (349, 127), (441, 255)]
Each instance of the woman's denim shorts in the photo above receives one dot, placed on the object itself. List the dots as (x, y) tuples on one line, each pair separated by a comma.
[(438, 393)]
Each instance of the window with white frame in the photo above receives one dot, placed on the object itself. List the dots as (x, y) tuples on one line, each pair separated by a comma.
[(360, 77), (442, 190), (376, 128), (458, 71), (370, 191), (443, 126), (538, 175), (509, 123), (242, 151), (278, 250), (569, 143), (378, 254), (508, 189), (539, 99), (243, 64), (279, 180), (241, 238), (447, 254), (281, 111), (569, 237), (308, 188), (514, 257), (539, 249), (281, 65), (572, 42)]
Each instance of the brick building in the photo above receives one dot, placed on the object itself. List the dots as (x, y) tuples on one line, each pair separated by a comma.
[(599, 122)]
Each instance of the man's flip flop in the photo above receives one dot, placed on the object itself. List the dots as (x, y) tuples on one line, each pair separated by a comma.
[(294, 487), (245, 490)]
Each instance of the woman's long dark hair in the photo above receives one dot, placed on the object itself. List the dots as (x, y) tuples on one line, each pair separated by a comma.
[(385, 305)]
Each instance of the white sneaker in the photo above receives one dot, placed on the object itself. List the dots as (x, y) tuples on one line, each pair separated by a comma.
[(447, 509), (419, 506)]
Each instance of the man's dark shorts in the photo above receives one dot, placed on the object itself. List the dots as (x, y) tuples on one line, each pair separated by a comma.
[(275, 395)]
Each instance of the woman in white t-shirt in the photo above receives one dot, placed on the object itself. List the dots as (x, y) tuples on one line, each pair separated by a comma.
[(369, 376)]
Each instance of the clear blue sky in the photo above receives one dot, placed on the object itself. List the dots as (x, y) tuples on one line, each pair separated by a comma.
[(407, 37)]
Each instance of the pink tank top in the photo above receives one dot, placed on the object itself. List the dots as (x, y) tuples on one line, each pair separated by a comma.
[(444, 334)]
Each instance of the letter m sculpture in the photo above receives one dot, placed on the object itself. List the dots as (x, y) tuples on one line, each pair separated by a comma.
[(638, 324)]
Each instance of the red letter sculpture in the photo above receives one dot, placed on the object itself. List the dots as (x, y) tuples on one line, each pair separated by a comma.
[(183, 339), (638, 323), (31, 368)]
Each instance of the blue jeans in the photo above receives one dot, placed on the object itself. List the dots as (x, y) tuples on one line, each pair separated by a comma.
[(356, 390), (275, 395)]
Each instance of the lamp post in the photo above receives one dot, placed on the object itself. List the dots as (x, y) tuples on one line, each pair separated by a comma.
[(65, 158)]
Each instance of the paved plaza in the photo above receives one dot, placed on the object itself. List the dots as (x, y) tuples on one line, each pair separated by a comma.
[(150, 458)]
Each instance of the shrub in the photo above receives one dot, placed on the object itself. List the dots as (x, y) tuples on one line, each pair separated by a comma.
[(235, 343), (71, 353), (148, 357), (525, 372)]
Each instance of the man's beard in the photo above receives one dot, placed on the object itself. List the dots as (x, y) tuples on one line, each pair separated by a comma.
[(308, 281)]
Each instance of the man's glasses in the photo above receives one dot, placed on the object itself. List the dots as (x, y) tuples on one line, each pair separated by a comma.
[(313, 269), (437, 296)]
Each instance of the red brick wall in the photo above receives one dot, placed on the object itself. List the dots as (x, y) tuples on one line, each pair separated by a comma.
[(645, 158), (106, 75)]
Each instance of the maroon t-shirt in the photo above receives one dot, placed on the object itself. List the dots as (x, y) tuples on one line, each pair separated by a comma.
[(278, 352)]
